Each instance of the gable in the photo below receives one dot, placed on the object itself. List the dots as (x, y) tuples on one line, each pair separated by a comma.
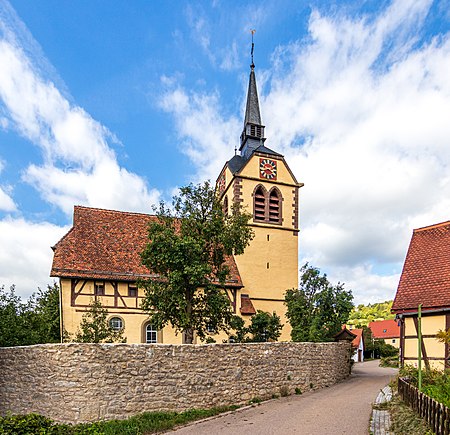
[(425, 278), (107, 244)]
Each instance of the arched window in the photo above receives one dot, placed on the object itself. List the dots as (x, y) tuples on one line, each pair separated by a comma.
[(275, 206), (259, 204), (116, 323), (151, 334), (225, 206)]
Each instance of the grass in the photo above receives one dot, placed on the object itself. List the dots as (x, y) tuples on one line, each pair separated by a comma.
[(404, 421), (142, 424)]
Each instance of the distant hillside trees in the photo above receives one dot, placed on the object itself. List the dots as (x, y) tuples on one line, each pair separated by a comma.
[(32, 322), (362, 315), (317, 309)]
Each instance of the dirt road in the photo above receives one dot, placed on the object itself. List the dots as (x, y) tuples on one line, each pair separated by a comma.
[(344, 408)]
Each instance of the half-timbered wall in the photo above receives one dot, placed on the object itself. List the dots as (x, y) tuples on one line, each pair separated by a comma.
[(434, 353), (121, 299)]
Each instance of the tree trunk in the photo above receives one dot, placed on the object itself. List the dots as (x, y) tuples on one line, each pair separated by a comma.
[(189, 335)]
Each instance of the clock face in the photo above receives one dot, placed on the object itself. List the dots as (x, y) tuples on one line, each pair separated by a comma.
[(268, 169)]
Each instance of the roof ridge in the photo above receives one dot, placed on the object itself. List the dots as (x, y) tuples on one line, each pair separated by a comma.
[(113, 211), (430, 227)]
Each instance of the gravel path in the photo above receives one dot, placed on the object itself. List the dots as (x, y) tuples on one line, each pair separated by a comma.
[(344, 408)]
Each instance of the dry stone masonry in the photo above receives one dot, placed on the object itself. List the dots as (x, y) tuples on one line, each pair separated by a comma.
[(90, 382)]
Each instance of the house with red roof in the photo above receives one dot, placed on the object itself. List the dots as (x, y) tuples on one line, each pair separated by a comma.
[(387, 330), (100, 257), (358, 344), (425, 281)]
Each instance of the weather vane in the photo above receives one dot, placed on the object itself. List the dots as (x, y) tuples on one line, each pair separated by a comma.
[(252, 31)]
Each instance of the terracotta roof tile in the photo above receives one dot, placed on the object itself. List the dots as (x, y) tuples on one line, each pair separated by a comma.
[(359, 336), (425, 278), (106, 244), (385, 329), (247, 305)]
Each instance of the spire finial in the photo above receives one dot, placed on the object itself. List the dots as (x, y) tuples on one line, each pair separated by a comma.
[(252, 31)]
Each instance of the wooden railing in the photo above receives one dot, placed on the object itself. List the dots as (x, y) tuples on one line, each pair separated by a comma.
[(434, 413)]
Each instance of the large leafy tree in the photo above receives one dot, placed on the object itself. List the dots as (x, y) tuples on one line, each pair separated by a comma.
[(31, 322), (187, 250), (317, 309), (95, 328)]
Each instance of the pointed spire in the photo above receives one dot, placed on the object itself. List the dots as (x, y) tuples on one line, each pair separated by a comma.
[(253, 134), (252, 113)]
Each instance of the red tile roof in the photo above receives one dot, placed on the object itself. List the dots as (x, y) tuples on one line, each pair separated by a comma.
[(425, 277), (359, 336), (385, 329), (247, 305), (106, 244)]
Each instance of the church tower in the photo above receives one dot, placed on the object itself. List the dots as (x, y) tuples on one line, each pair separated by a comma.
[(260, 180)]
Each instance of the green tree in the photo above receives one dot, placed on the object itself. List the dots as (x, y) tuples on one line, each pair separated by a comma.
[(265, 327), (187, 251), (31, 322), (364, 314), (95, 328), (317, 309)]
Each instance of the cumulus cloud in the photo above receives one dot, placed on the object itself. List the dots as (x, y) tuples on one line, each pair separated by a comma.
[(206, 138), (26, 257), (360, 109), (7, 203), (79, 166)]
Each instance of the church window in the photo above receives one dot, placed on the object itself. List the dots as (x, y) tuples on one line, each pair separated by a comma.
[(151, 334), (274, 206), (260, 204), (116, 323)]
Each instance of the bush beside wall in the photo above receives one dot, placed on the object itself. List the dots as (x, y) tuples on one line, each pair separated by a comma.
[(89, 382)]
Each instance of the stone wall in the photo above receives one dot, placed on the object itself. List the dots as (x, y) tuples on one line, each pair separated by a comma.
[(89, 382)]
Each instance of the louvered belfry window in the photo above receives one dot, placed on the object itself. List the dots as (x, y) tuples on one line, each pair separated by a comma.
[(260, 204), (267, 205), (274, 207)]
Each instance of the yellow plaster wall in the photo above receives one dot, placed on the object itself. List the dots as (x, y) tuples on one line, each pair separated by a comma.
[(134, 319), (434, 349)]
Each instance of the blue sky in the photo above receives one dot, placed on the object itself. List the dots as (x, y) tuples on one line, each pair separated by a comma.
[(116, 104)]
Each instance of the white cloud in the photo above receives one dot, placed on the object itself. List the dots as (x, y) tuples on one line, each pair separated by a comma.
[(79, 166), (206, 137), (26, 257), (360, 110), (7, 203)]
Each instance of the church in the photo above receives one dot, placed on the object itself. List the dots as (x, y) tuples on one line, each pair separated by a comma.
[(99, 258)]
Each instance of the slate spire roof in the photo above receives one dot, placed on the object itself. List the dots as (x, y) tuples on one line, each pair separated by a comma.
[(253, 133), (425, 278), (252, 113)]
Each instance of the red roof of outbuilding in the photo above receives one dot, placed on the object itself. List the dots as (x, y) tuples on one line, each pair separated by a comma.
[(425, 277), (359, 336), (385, 329), (106, 244)]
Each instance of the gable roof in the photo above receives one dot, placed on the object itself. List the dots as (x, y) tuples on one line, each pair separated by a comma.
[(425, 278), (359, 337), (385, 329), (106, 244)]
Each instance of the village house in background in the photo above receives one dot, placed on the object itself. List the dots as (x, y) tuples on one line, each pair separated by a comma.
[(425, 280), (387, 330), (99, 258)]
